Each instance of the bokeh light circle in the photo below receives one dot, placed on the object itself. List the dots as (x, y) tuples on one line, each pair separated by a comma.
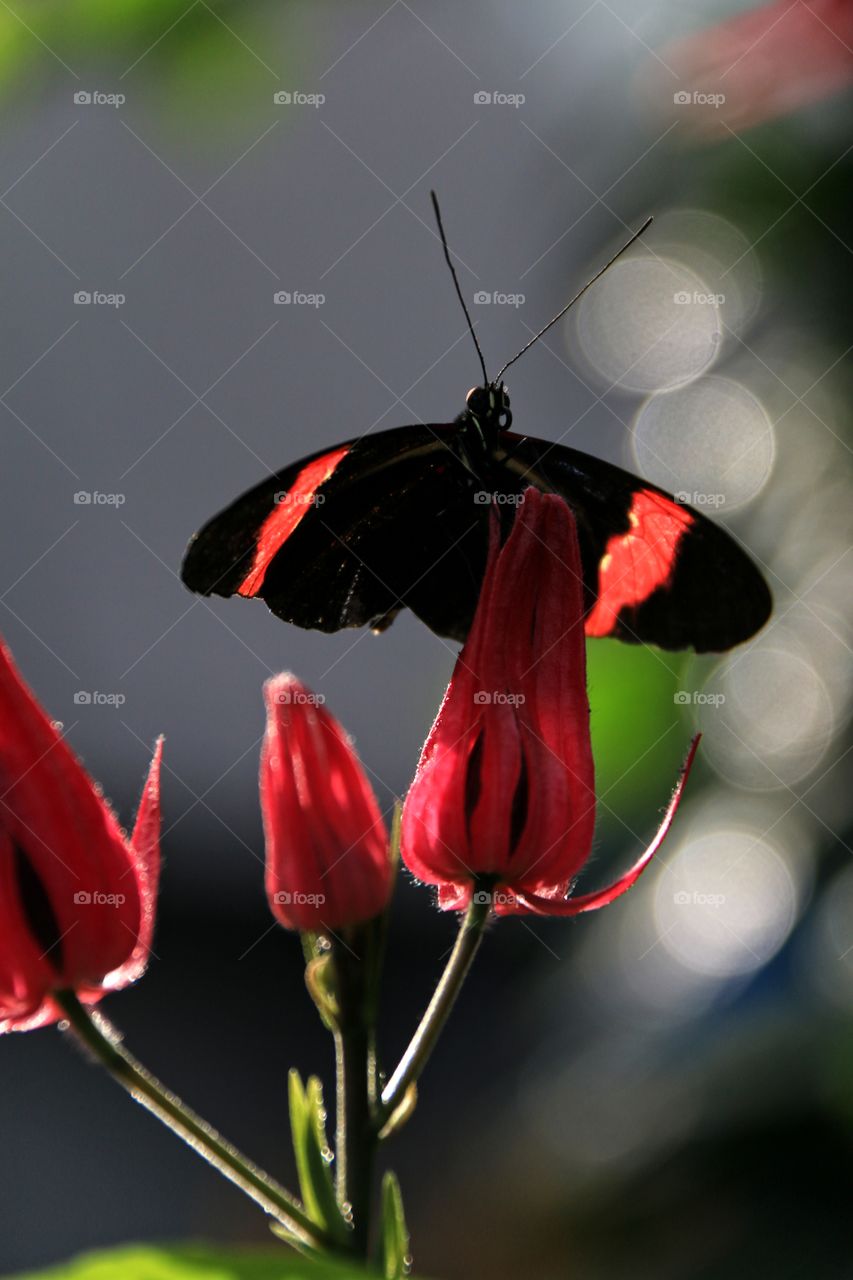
[(648, 324), (728, 904), (773, 717), (717, 251), (711, 442)]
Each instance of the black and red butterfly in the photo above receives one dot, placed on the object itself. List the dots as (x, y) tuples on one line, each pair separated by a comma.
[(351, 535)]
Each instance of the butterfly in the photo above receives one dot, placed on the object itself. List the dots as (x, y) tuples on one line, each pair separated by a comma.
[(350, 535)]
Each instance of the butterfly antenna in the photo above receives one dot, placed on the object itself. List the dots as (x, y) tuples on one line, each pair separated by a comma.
[(434, 199), (579, 294)]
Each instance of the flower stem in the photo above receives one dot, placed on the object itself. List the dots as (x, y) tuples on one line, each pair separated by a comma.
[(104, 1042), (355, 1145), (432, 1023)]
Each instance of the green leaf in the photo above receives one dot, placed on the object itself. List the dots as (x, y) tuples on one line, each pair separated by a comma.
[(398, 1118), (320, 981), (197, 1262), (395, 1236), (311, 1148)]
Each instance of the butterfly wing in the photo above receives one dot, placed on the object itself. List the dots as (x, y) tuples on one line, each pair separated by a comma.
[(656, 571), (349, 536)]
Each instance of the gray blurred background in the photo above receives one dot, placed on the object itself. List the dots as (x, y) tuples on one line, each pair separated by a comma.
[(663, 1090)]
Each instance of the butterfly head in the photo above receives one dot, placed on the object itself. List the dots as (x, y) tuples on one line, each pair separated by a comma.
[(489, 407)]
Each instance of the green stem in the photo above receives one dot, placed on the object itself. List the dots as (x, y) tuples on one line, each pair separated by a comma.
[(432, 1023), (103, 1041), (355, 1146)]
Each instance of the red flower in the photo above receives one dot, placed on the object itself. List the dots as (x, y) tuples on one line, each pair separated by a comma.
[(504, 795), (77, 897), (761, 63), (327, 863)]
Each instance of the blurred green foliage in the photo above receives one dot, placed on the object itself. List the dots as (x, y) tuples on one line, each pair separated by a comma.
[(639, 734), (196, 1262), (786, 186), (212, 59)]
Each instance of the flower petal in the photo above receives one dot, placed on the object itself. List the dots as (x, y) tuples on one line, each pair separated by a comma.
[(145, 845), (76, 899), (73, 846), (327, 862), (505, 783)]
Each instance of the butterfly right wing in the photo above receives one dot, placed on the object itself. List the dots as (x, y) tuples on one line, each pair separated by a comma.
[(656, 571)]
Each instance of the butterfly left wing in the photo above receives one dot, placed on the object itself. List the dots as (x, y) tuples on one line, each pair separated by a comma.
[(349, 536), (656, 571)]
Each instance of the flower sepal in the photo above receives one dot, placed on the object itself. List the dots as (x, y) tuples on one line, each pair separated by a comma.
[(543, 905), (320, 982)]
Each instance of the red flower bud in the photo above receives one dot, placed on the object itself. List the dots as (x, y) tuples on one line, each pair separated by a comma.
[(504, 794), (77, 898), (327, 863)]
